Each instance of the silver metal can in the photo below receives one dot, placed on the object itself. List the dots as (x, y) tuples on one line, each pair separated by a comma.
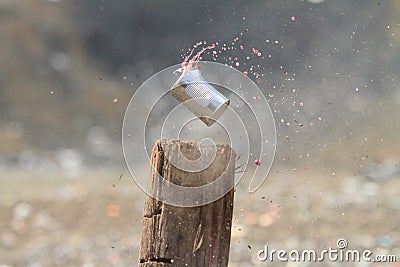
[(200, 97)]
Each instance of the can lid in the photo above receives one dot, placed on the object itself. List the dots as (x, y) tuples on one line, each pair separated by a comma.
[(193, 75)]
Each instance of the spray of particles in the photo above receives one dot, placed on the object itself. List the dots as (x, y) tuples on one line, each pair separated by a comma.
[(254, 61)]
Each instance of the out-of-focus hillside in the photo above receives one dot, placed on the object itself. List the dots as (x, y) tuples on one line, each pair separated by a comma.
[(68, 68), (51, 92)]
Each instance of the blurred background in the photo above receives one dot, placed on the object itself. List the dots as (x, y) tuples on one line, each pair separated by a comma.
[(329, 69)]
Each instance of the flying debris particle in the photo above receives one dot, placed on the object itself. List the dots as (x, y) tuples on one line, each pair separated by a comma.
[(255, 51), (115, 100), (245, 73), (257, 162), (293, 18)]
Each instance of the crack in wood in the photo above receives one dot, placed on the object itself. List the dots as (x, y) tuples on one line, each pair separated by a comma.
[(158, 214), (198, 240), (158, 260)]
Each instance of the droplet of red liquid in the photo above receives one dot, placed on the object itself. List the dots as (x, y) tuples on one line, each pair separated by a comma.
[(257, 162), (255, 51)]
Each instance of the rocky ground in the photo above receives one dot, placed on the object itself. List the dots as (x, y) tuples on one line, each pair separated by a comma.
[(95, 220)]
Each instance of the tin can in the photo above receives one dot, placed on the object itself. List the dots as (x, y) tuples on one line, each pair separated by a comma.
[(200, 97)]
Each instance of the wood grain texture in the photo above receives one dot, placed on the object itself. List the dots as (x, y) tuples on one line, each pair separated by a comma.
[(187, 236)]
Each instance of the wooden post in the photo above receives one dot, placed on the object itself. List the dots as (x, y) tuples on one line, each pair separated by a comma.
[(188, 236)]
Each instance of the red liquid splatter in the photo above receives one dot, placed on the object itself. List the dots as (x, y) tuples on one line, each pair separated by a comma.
[(188, 62), (257, 162), (194, 54)]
